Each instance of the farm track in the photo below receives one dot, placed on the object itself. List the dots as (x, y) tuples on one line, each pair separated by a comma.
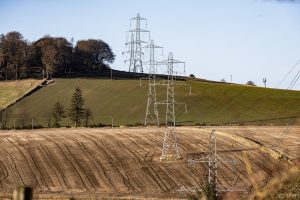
[(119, 162)]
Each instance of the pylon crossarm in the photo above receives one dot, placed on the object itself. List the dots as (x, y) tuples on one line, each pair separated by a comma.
[(140, 30), (149, 63), (152, 46), (168, 61), (228, 161), (204, 159), (141, 41), (231, 190), (133, 52), (127, 60), (138, 18)]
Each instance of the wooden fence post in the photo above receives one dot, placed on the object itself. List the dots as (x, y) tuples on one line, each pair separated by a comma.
[(22, 193)]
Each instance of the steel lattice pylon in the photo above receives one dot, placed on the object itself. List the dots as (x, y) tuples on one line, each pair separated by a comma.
[(136, 63), (151, 116), (170, 146), (131, 60), (212, 159)]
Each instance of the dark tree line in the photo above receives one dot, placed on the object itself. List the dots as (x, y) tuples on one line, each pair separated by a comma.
[(50, 56)]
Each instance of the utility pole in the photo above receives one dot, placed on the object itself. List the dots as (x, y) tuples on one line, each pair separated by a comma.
[(151, 109), (170, 147), (136, 64), (265, 82)]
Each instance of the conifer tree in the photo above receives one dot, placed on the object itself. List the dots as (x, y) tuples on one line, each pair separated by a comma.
[(77, 110)]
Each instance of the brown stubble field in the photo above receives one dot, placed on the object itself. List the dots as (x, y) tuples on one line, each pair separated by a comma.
[(124, 162)]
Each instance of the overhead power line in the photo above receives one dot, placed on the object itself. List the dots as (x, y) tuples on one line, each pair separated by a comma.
[(292, 69), (294, 81)]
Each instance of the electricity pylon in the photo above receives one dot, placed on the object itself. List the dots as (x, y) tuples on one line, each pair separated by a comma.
[(131, 51), (151, 116), (136, 64), (170, 149), (212, 159)]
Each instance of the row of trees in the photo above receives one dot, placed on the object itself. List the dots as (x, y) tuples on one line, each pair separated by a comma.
[(50, 56)]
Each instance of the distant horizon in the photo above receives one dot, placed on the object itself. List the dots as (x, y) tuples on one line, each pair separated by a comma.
[(249, 40)]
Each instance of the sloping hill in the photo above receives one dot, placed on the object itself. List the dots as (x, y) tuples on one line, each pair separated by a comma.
[(125, 100), (11, 91)]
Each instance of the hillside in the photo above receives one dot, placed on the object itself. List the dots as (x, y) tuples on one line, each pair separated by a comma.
[(125, 100), (11, 91)]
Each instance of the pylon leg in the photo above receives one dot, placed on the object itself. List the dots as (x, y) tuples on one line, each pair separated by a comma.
[(151, 116), (170, 148)]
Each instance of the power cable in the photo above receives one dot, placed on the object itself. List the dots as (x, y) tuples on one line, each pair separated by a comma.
[(294, 66)]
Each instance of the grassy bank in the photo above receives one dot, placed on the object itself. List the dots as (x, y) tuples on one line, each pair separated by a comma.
[(125, 100)]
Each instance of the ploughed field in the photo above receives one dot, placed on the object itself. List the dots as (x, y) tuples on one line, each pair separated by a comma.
[(124, 162)]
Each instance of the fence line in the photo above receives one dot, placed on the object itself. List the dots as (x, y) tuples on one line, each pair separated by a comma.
[(49, 122)]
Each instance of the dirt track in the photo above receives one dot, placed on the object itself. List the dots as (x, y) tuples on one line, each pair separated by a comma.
[(124, 162)]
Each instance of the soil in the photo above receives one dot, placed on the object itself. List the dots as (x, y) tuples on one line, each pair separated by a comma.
[(124, 162)]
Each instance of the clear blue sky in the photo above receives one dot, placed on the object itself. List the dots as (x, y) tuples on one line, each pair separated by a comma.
[(249, 39)]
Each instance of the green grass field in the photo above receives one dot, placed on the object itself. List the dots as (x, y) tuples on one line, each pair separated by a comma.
[(125, 100)]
